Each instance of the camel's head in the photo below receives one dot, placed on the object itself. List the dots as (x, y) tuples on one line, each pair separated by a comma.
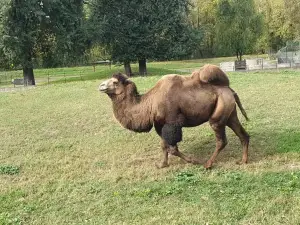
[(117, 85)]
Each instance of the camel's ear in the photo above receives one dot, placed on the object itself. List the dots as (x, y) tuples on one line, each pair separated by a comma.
[(127, 81), (120, 77), (125, 77)]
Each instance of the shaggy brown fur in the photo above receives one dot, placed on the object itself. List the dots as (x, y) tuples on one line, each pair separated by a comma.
[(176, 102)]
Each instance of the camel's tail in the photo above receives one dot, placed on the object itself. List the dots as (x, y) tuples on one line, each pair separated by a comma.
[(238, 102)]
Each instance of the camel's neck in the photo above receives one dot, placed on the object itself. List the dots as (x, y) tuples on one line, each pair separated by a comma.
[(134, 112)]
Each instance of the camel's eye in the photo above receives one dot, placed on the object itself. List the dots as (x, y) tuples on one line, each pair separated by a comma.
[(115, 83)]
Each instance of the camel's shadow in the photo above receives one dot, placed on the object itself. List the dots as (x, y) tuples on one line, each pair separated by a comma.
[(262, 145)]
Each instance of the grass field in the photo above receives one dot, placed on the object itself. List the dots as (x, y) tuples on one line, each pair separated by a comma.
[(83, 73), (65, 160)]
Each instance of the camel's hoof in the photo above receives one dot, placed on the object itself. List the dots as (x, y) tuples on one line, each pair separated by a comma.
[(241, 162), (162, 165), (208, 165)]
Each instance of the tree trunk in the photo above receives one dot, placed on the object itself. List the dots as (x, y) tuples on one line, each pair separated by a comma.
[(239, 54), (28, 76), (142, 67), (127, 68)]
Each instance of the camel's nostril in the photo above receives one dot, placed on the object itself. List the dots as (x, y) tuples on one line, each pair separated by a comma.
[(102, 87)]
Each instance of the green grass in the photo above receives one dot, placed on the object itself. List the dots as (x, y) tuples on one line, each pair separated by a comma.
[(9, 169), (69, 74), (72, 163)]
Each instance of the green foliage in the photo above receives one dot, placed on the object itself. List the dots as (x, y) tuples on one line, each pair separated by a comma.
[(3, 60), (52, 33), (65, 33), (186, 177), (133, 30), (292, 8), (9, 169), (281, 22), (278, 22), (46, 33), (203, 16), (97, 52), (238, 26), (21, 29)]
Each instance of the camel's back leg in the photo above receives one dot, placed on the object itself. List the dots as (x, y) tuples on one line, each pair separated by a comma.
[(235, 125), (218, 121), (221, 142)]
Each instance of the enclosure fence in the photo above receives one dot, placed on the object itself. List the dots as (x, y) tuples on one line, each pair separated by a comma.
[(15, 78), (11, 79), (261, 64)]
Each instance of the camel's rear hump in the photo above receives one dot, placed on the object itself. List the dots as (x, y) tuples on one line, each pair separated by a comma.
[(211, 74)]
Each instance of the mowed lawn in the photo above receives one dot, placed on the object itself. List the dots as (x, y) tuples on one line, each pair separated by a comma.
[(83, 73), (64, 159)]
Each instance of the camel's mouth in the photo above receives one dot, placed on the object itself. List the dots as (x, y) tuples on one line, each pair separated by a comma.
[(103, 87)]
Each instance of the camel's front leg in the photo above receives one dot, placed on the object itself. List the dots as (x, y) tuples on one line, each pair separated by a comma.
[(171, 135), (174, 151)]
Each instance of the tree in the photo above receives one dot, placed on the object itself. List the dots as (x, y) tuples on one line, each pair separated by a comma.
[(281, 22), (203, 16), (238, 26), (140, 30), (3, 59), (45, 28), (21, 29), (292, 8), (66, 29)]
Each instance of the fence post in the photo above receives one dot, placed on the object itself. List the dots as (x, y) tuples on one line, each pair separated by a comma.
[(48, 77), (14, 82), (65, 77)]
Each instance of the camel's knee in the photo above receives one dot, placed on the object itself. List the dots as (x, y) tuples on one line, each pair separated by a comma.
[(173, 150), (172, 134), (221, 139), (245, 137), (164, 145), (221, 143)]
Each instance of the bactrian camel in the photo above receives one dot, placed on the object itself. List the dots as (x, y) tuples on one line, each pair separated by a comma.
[(179, 101)]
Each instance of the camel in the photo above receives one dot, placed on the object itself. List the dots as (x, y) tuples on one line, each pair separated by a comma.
[(179, 101)]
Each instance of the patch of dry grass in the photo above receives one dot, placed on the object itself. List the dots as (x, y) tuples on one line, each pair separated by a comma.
[(77, 165)]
